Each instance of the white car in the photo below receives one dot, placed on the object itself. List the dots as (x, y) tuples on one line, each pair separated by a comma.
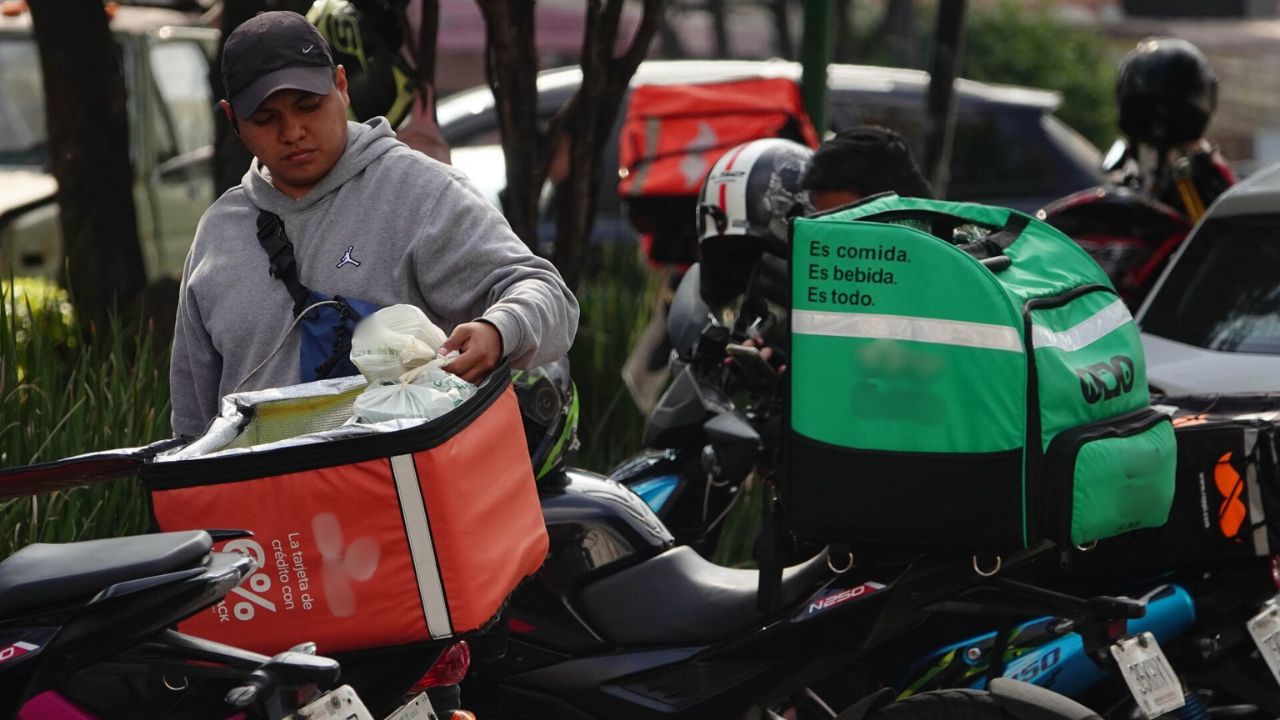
[(1212, 322), (171, 113)]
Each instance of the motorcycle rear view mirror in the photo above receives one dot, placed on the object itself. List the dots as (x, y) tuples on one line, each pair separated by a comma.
[(688, 313), (769, 283), (1117, 155), (735, 444)]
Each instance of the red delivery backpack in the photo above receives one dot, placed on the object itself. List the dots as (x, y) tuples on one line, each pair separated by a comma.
[(673, 134), (365, 535)]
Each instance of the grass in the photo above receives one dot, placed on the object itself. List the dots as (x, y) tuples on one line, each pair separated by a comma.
[(617, 298), (66, 391), (617, 301)]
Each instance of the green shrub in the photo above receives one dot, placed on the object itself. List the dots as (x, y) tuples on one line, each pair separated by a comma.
[(1010, 42), (617, 297), (64, 392)]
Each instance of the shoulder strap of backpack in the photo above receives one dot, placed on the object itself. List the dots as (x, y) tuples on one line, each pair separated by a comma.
[(284, 267)]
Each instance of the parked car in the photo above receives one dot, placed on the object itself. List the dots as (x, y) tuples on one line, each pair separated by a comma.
[(1212, 322), (170, 105), (1009, 148)]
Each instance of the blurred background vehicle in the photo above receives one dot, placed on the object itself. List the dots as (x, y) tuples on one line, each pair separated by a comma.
[(1212, 322), (1052, 159), (170, 106)]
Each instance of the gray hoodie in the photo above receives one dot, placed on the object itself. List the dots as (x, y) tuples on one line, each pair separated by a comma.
[(387, 225)]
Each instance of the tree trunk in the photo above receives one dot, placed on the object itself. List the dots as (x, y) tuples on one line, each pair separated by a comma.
[(948, 45), (88, 129), (900, 24), (719, 27), (512, 66), (846, 50), (815, 59), (782, 26), (604, 84), (425, 47), (585, 122), (230, 157)]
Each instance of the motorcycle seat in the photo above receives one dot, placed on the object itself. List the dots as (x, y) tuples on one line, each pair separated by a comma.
[(679, 597), (45, 574)]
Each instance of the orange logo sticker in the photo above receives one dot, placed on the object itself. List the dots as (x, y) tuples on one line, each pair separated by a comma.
[(1229, 483), (1189, 420)]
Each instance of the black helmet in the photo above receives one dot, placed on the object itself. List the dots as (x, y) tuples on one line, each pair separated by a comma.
[(746, 202), (1166, 92), (366, 38), (549, 407)]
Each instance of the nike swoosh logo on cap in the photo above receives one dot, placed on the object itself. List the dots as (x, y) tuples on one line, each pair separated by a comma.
[(307, 49)]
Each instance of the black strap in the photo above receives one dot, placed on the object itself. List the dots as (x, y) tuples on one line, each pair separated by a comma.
[(768, 559), (284, 267), (994, 245), (995, 658), (1008, 235), (347, 318)]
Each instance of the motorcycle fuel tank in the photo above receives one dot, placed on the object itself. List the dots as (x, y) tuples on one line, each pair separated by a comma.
[(597, 527)]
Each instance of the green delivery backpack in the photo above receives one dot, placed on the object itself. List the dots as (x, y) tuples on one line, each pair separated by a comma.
[(963, 376)]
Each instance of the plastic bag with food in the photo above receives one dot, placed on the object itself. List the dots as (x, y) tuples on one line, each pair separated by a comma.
[(393, 341), (424, 392)]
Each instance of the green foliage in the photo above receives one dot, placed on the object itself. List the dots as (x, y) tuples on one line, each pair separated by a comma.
[(63, 393), (52, 317), (736, 547), (1011, 43), (617, 297)]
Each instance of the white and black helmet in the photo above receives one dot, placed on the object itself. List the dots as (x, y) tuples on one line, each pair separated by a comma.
[(746, 202)]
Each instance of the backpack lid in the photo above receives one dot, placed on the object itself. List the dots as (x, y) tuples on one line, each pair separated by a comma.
[(672, 134), (80, 470)]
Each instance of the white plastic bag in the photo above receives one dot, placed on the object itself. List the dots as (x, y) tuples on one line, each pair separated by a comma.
[(432, 375), (394, 400), (425, 392), (393, 341)]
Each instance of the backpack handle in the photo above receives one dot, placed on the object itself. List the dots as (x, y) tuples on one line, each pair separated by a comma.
[(989, 250), (992, 247)]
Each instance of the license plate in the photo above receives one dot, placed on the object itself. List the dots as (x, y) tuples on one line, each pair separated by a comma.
[(1148, 674), (419, 709), (1264, 628), (338, 704)]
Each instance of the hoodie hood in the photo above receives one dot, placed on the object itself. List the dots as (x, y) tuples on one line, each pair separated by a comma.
[(366, 142)]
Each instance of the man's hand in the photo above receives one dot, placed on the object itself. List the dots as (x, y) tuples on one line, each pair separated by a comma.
[(766, 353), (481, 348)]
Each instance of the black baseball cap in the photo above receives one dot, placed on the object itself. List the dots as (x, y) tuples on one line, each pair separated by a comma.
[(277, 50)]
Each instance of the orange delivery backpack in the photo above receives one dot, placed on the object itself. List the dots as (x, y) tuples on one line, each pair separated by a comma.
[(673, 133), (366, 535)]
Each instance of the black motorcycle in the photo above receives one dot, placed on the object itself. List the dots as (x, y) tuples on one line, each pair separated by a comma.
[(85, 632), (720, 387), (711, 429), (625, 621), (621, 622)]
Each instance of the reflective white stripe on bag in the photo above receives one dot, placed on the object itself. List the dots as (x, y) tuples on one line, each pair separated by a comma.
[(897, 327), (1085, 333), (418, 529)]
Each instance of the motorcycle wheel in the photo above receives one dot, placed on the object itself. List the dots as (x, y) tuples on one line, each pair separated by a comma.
[(960, 704)]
